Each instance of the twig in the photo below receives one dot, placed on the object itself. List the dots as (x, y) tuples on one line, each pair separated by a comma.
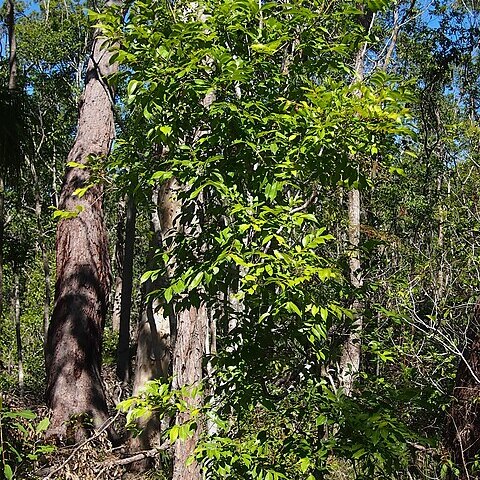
[(307, 203), (421, 448), (82, 444)]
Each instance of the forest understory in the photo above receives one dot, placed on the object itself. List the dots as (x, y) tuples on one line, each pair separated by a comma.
[(240, 239)]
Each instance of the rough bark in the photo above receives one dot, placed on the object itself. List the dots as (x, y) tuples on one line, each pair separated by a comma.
[(74, 344), (187, 370), (463, 424), (189, 336), (123, 353)]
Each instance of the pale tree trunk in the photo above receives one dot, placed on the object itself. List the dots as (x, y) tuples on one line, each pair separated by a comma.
[(393, 39), (349, 362), (123, 353), (397, 25), (153, 359), (189, 337), (184, 333), (74, 344), (118, 258), (210, 352)]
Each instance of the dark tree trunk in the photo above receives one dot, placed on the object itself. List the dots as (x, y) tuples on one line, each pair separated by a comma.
[(4, 165), (118, 259), (74, 344), (463, 424), (12, 42), (16, 321), (43, 249), (123, 353), (2, 224)]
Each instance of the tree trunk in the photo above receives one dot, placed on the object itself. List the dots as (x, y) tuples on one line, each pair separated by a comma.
[(12, 85), (187, 371), (74, 344), (48, 289), (12, 42), (2, 226), (463, 423), (44, 252), (18, 333), (118, 258), (123, 353), (189, 335), (349, 364), (153, 332), (185, 333)]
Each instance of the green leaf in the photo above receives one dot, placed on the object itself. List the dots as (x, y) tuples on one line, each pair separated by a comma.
[(359, 453), (80, 192), (166, 130), (291, 307), (76, 165), (27, 414), (174, 432), (43, 425), (196, 281), (398, 171), (161, 176), (68, 214), (7, 471), (304, 464), (168, 294), (267, 48)]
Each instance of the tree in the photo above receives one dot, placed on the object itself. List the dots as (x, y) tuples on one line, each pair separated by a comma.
[(249, 166), (123, 353), (10, 144), (73, 351), (153, 356)]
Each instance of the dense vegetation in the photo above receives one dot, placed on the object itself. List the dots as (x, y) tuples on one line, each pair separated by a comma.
[(289, 212)]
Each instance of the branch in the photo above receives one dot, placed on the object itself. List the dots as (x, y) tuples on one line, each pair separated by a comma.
[(140, 455), (307, 203)]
